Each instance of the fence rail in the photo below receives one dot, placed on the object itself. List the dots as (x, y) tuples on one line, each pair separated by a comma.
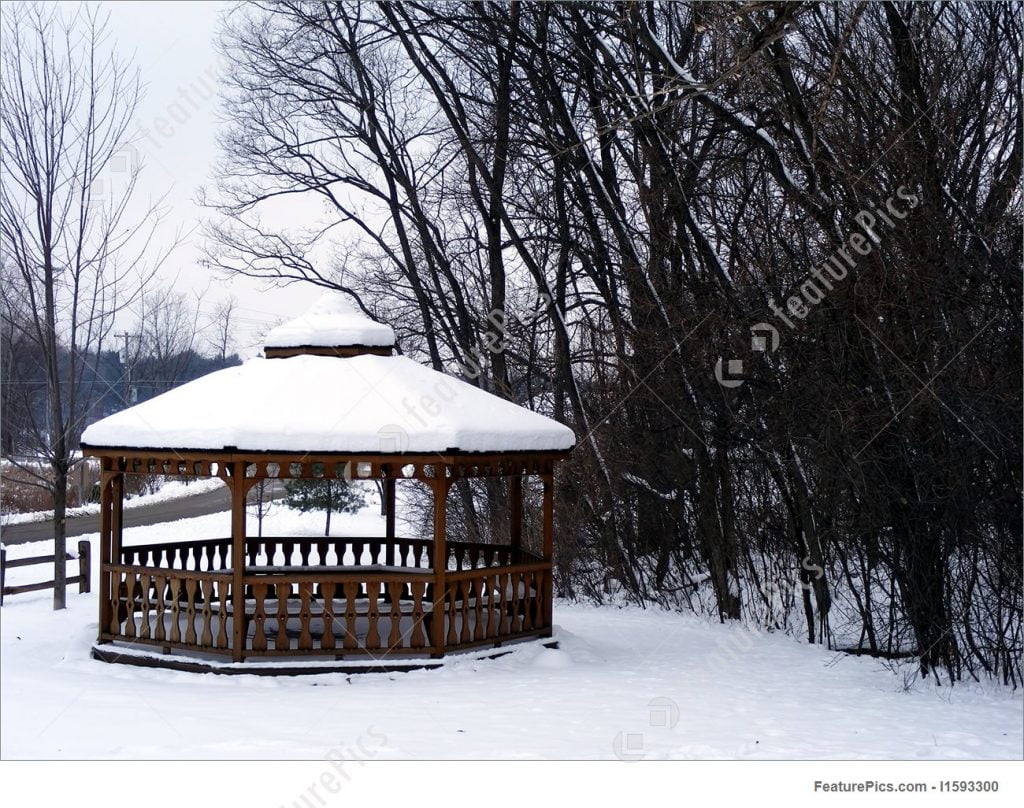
[(82, 579)]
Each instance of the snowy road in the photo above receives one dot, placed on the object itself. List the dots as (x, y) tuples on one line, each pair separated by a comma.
[(625, 683), (171, 510)]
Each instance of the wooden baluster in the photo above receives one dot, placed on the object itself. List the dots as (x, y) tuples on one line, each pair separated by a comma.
[(206, 588), (259, 639), (416, 639), (117, 581), (305, 638), (357, 553), (351, 637), (479, 630), (493, 609), (466, 635), (176, 610), (372, 614), (543, 583), (395, 638), (451, 592), (304, 550), (518, 587), (145, 582), (527, 601), (223, 602), (159, 632), (474, 557), (321, 552), (504, 582), (327, 639), (129, 626), (190, 611), (281, 641), (287, 547)]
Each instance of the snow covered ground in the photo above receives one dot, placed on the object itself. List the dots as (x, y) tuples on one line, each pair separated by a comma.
[(625, 683)]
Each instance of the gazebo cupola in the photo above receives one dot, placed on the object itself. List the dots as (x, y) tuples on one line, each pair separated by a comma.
[(330, 400), (332, 327)]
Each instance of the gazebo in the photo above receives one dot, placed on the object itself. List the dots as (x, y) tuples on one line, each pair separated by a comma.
[(330, 400)]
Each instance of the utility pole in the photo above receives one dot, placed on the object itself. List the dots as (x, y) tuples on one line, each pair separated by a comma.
[(126, 362)]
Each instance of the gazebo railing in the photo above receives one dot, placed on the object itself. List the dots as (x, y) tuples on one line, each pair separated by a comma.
[(488, 604), (305, 551), (170, 608), (332, 596)]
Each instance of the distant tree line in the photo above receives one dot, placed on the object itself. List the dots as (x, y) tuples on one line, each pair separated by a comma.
[(106, 386), (666, 178)]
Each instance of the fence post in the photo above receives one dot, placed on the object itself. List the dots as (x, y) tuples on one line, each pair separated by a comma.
[(84, 568), (3, 573)]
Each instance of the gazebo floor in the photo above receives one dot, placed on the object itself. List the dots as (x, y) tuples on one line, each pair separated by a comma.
[(197, 662)]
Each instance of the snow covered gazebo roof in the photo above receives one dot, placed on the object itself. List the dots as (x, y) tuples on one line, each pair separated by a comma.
[(329, 384)]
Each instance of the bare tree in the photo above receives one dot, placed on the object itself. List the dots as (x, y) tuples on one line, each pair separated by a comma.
[(666, 174), (168, 327), (68, 226), (220, 324)]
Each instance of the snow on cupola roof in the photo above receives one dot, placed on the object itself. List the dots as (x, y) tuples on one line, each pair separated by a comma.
[(332, 322)]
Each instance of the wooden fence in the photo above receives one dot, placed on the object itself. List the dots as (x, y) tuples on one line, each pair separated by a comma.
[(82, 579)]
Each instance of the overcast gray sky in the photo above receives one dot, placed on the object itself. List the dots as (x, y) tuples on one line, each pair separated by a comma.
[(173, 45)]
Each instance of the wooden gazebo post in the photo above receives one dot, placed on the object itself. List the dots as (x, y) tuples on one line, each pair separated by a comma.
[(440, 484), (389, 517), (106, 596), (238, 492), (549, 545), (111, 530), (516, 515)]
